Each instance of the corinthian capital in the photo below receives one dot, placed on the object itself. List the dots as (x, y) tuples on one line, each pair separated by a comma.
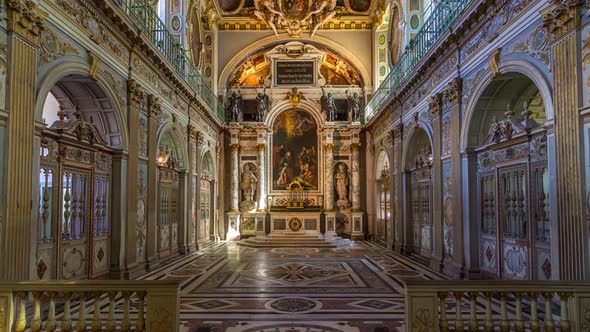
[(25, 18)]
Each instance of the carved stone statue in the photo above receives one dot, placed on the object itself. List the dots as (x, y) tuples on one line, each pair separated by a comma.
[(328, 106), (248, 184), (355, 105), (236, 105), (341, 184), (263, 105)]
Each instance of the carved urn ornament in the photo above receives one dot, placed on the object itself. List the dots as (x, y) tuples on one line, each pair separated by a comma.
[(294, 16)]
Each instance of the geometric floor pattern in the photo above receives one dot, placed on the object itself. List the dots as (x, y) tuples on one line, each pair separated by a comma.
[(230, 288)]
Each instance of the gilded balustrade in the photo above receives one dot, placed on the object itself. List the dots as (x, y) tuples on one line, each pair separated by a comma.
[(498, 305), (89, 306)]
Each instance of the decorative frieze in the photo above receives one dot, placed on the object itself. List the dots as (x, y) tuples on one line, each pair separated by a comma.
[(154, 106), (117, 85), (471, 83), (536, 45)]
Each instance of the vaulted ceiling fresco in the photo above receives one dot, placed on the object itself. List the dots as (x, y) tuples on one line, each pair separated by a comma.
[(256, 69)]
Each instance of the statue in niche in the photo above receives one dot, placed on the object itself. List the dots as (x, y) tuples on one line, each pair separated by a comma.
[(236, 105), (263, 105), (341, 184), (355, 105), (248, 185), (328, 106)]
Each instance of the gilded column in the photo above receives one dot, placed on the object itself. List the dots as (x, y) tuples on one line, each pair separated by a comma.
[(329, 173), (435, 105), (563, 20), (261, 172), (152, 183), (235, 177), (355, 183), (24, 24)]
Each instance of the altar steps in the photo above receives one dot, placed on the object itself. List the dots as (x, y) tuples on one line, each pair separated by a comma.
[(295, 240)]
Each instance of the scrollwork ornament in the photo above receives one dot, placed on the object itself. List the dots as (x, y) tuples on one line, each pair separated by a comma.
[(453, 91), (435, 104), (135, 93), (154, 106)]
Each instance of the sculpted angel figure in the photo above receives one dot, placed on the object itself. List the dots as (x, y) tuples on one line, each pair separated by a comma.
[(263, 104)]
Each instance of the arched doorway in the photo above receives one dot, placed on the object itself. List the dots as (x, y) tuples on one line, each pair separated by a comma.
[(384, 211), (170, 163), (513, 183), (206, 196), (80, 136), (418, 164)]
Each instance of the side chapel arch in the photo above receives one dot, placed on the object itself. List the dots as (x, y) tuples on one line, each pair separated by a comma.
[(510, 171)]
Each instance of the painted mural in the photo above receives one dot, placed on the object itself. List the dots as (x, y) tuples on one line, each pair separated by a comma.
[(229, 5), (295, 152), (360, 5)]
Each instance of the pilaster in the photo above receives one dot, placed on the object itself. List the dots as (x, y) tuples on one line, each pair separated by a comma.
[(435, 105), (563, 20), (397, 188), (261, 149), (152, 183), (452, 214), (25, 21)]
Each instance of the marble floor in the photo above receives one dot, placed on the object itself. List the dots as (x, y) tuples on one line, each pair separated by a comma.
[(230, 288)]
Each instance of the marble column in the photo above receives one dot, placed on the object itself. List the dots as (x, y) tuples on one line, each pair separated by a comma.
[(25, 22), (151, 251), (355, 174), (235, 177), (435, 105), (570, 253), (329, 175), (261, 179)]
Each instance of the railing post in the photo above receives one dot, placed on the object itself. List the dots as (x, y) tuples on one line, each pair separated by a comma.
[(163, 305), (421, 310)]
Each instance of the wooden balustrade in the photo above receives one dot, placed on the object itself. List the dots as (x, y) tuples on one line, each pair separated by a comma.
[(89, 306), (498, 305)]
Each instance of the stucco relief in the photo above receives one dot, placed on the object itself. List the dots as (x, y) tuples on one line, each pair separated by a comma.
[(535, 45), (54, 46), (472, 82), (118, 86), (446, 134)]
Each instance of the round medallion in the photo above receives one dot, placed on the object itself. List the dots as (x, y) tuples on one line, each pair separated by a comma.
[(382, 39), (208, 40), (415, 21), (540, 38), (295, 224), (293, 305), (176, 23)]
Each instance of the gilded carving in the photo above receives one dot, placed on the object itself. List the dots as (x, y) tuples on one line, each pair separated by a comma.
[(562, 17), (25, 18), (154, 106), (452, 92), (494, 62), (52, 47), (94, 64), (294, 17), (135, 93), (471, 83), (446, 135), (435, 104)]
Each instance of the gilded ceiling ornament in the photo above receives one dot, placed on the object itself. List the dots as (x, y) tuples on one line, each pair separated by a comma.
[(295, 15)]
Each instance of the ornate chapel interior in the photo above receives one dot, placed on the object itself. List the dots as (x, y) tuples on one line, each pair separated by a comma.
[(294, 165)]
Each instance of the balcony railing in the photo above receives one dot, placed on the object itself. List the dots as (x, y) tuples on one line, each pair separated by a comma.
[(444, 14), (145, 17), (497, 305), (79, 305)]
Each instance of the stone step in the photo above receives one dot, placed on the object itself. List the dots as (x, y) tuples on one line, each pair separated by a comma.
[(287, 241)]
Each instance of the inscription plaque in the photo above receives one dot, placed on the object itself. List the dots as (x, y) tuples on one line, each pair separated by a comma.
[(294, 72)]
